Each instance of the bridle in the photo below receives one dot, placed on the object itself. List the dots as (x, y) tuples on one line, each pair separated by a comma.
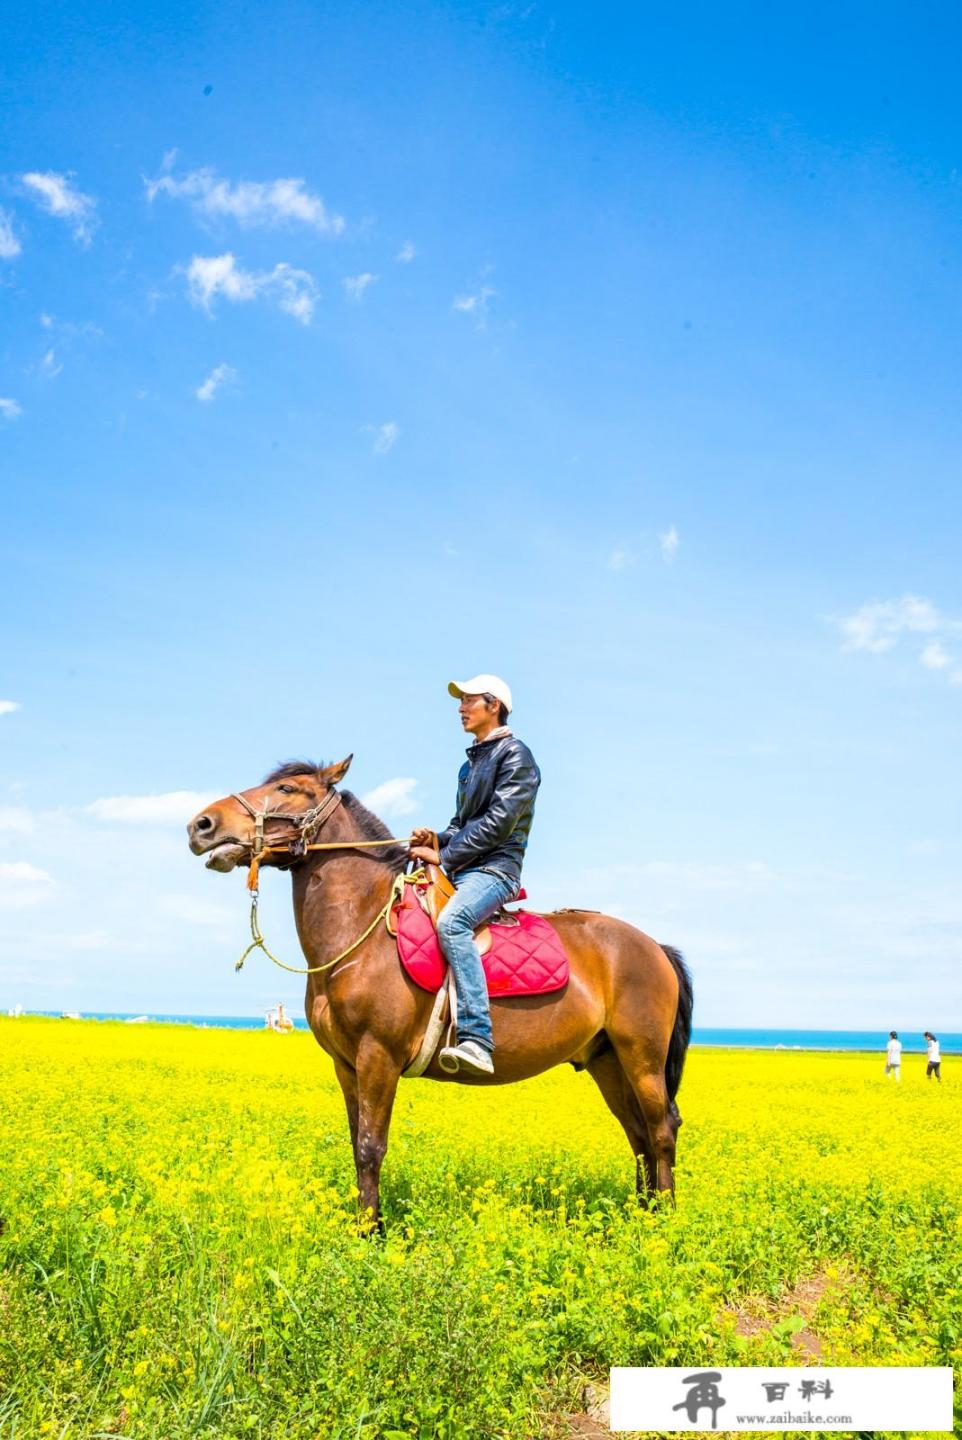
[(306, 826)]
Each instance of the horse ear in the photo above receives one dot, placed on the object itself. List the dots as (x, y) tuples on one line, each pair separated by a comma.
[(333, 774)]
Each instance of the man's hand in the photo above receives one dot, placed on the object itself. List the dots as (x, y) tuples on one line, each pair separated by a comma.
[(424, 846), (424, 852)]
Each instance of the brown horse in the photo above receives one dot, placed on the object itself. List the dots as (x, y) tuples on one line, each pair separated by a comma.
[(625, 1014)]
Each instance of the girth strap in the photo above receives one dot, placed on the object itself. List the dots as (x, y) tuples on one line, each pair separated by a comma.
[(435, 1030)]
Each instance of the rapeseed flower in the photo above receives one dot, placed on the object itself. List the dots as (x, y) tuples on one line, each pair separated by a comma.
[(181, 1244)]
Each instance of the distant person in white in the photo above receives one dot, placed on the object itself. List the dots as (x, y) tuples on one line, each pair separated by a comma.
[(893, 1055), (934, 1063)]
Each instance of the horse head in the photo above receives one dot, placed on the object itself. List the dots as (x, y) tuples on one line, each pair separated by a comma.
[(293, 801)]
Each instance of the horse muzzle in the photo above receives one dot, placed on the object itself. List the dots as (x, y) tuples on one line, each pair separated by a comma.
[(225, 856), (223, 851)]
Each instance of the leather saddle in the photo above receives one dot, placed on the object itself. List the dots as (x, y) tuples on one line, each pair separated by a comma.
[(435, 893)]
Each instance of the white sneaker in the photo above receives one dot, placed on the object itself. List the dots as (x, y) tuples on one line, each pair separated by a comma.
[(469, 1056)]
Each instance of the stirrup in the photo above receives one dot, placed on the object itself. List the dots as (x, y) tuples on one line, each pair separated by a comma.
[(468, 1055)]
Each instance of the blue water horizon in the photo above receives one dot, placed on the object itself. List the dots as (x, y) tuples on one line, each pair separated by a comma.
[(716, 1037), (913, 1042)]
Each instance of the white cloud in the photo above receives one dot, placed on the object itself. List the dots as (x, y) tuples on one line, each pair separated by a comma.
[(249, 202), (394, 797), (476, 304), (7, 707), (87, 941), (668, 543), (68, 330), (209, 276), (173, 808), (846, 934), (10, 410), (386, 437), (220, 375), (620, 558), (876, 627), (406, 253), (9, 244), (355, 285), (49, 365), (58, 197), (935, 657), (297, 291), (22, 885), (879, 626), (15, 820)]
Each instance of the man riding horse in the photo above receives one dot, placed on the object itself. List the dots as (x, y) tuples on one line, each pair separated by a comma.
[(481, 850), (624, 1016)]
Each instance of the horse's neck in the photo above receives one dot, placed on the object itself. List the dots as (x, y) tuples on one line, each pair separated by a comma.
[(337, 893)]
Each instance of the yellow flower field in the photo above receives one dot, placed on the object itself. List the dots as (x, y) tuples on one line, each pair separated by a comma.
[(179, 1253)]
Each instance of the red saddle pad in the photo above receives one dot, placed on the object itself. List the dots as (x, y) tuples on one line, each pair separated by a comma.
[(524, 959)]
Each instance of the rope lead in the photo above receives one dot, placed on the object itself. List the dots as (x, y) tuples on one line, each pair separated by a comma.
[(257, 940)]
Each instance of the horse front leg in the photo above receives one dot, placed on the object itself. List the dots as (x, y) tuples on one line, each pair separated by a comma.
[(347, 1079), (377, 1078)]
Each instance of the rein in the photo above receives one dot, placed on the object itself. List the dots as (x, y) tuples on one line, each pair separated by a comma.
[(257, 943), (308, 825)]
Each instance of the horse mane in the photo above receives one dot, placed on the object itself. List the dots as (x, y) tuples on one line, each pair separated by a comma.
[(370, 826), (373, 828), (292, 768)]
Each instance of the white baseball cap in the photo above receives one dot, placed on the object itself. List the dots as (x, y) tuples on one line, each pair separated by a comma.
[(482, 685)]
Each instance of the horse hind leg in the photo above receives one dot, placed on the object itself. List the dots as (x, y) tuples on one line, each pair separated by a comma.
[(646, 1077), (607, 1073)]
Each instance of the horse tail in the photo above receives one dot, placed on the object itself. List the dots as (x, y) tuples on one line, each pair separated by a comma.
[(681, 1034)]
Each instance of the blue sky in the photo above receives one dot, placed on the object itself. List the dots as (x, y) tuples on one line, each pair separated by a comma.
[(613, 350)]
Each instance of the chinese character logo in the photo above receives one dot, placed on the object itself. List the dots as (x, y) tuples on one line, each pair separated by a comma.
[(703, 1395)]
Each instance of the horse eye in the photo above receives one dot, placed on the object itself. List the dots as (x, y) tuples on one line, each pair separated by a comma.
[(286, 789)]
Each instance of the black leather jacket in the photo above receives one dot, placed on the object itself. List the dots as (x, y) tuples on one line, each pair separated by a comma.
[(497, 786)]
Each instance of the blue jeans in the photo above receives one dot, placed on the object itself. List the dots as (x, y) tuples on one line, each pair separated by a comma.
[(478, 895)]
